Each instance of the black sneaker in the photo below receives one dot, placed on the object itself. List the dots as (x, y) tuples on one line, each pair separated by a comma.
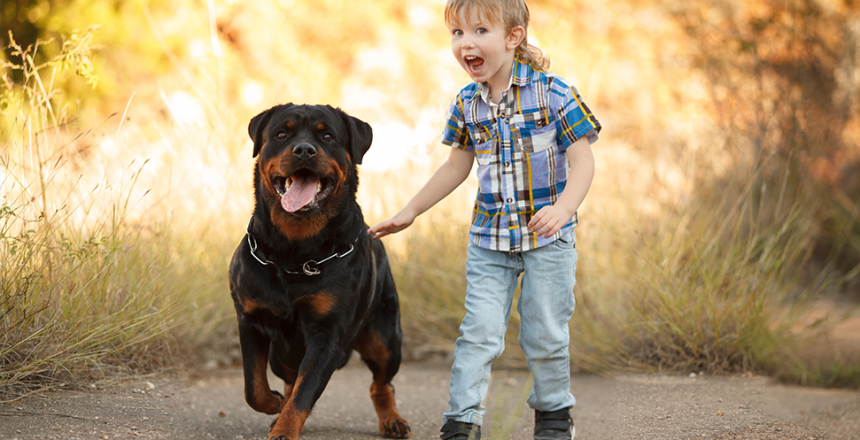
[(554, 425), (454, 430)]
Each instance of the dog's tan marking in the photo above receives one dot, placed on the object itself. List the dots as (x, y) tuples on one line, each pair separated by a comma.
[(290, 420), (391, 423), (249, 305), (271, 167), (297, 230), (321, 303), (371, 346), (264, 401), (290, 423)]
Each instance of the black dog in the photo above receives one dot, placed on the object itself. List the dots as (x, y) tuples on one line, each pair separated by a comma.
[(308, 283)]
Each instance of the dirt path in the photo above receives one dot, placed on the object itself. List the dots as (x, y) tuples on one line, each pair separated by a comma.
[(626, 407)]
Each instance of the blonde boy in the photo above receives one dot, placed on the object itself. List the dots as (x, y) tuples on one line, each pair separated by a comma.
[(530, 133)]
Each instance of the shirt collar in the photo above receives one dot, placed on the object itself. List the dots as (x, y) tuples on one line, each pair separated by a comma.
[(522, 73), (521, 76)]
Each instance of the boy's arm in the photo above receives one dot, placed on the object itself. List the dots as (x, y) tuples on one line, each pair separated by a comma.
[(550, 219), (445, 180)]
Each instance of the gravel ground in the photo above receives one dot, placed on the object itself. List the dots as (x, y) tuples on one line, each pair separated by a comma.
[(623, 407)]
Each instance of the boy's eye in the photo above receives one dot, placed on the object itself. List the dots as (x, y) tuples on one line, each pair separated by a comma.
[(482, 31), (457, 32)]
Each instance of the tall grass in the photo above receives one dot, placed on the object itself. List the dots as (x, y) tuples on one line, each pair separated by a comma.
[(78, 284), (788, 130), (95, 279), (713, 289)]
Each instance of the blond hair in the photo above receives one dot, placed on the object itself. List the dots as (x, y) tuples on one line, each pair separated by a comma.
[(507, 14)]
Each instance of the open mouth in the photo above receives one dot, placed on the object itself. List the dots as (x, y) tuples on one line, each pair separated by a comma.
[(302, 191), (474, 63)]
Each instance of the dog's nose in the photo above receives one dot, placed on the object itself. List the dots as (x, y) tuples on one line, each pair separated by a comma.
[(305, 151)]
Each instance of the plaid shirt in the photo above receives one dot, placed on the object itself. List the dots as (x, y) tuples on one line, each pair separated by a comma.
[(520, 148)]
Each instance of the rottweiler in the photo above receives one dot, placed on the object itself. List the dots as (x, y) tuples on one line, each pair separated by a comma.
[(308, 284)]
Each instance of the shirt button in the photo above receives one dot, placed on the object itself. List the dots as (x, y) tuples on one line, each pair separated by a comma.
[(510, 200), (507, 164)]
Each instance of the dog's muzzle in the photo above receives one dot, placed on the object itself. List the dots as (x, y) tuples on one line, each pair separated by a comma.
[(304, 151)]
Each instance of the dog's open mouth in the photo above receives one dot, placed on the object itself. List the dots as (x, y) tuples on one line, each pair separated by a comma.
[(302, 191)]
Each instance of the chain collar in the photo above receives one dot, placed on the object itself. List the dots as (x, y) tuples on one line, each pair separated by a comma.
[(309, 268)]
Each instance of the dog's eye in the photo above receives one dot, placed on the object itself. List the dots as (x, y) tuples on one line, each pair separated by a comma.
[(282, 135), (328, 138)]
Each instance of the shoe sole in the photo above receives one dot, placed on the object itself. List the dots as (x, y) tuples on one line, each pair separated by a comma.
[(572, 435)]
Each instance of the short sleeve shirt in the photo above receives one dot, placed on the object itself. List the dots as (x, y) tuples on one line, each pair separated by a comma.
[(520, 146)]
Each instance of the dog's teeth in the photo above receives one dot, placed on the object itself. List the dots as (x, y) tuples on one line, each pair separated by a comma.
[(319, 187)]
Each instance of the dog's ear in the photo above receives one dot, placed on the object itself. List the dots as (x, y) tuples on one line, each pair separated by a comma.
[(258, 124), (256, 127), (360, 136)]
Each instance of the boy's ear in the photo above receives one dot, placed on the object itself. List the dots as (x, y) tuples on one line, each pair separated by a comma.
[(516, 37)]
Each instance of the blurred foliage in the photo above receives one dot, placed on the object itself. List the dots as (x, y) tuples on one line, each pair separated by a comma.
[(126, 51), (784, 88), (28, 83), (297, 50)]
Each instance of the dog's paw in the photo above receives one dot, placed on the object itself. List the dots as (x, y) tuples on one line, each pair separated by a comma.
[(395, 428)]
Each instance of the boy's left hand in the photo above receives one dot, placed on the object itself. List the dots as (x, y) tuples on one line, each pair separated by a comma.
[(549, 220)]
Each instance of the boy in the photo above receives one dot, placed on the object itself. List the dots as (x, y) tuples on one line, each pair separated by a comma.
[(530, 133)]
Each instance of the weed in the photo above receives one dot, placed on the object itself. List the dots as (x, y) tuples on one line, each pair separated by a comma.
[(77, 285)]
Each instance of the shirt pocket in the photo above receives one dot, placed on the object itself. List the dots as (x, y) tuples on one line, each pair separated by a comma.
[(482, 134), (534, 132)]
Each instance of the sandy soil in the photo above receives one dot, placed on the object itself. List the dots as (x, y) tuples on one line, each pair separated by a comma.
[(623, 407)]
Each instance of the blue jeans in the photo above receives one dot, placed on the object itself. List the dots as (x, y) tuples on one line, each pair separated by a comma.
[(545, 306)]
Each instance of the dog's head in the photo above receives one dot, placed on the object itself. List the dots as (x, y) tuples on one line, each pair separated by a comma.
[(306, 157)]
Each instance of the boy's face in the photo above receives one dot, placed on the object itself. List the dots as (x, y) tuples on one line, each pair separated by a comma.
[(483, 49)]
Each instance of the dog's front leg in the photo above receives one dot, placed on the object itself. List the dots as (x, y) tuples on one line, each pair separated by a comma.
[(255, 354), (322, 358)]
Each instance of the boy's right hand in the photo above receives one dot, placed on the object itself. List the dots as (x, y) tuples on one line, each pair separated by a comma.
[(399, 222)]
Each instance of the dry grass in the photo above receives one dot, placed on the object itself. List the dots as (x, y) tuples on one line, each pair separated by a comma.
[(95, 281)]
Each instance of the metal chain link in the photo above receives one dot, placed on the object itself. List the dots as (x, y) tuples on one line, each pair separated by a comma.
[(309, 268)]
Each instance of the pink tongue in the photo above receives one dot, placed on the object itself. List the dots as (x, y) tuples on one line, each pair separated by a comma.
[(476, 64), (301, 192)]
